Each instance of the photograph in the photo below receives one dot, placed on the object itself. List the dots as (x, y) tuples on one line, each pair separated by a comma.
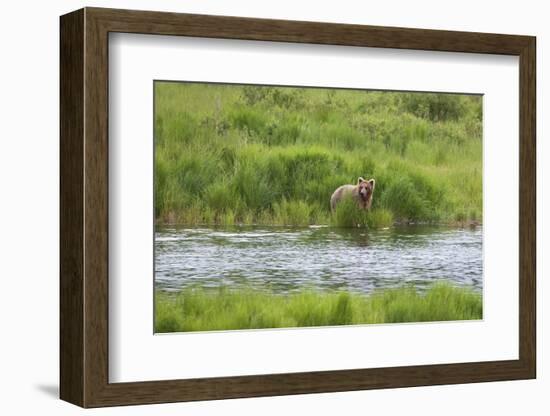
[(278, 205), (282, 207)]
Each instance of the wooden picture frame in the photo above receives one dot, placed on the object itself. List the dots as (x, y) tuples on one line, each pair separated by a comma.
[(84, 207)]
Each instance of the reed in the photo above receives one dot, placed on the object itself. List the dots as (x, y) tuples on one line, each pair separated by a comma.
[(226, 309)]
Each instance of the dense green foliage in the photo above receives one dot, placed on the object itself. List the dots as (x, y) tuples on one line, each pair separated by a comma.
[(224, 309), (229, 154)]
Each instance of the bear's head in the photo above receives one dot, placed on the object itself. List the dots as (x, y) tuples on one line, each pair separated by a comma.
[(365, 188)]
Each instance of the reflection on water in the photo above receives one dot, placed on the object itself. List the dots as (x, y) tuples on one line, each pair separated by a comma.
[(286, 259)]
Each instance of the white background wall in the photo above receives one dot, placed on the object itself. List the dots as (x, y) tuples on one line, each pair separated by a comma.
[(29, 159)]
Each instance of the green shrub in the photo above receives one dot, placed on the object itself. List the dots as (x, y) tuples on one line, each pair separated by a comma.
[(436, 107), (348, 214), (379, 218), (219, 196), (295, 213), (249, 119)]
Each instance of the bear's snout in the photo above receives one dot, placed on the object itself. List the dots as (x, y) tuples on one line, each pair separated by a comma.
[(364, 192)]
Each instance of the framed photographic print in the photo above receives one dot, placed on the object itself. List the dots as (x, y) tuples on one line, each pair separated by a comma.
[(255, 207)]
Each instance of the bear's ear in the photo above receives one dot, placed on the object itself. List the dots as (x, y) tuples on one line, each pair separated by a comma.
[(360, 180), (372, 182)]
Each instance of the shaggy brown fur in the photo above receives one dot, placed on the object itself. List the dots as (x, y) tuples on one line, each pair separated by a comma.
[(362, 193)]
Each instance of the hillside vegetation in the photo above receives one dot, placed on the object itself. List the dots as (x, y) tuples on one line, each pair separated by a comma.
[(231, 154)]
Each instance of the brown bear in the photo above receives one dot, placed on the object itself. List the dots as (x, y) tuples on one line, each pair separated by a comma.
[(362, 193)]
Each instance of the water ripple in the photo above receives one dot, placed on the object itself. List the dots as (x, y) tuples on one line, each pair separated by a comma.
[(285, 260)]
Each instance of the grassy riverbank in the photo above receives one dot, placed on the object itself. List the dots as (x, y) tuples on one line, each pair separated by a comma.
[(264, 155), (224, 309)]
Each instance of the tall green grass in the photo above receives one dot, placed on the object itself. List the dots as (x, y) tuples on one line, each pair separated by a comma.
[(270, 155), (225, 309)]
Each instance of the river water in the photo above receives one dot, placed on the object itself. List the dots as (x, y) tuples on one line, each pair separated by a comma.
[(283, 260)]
